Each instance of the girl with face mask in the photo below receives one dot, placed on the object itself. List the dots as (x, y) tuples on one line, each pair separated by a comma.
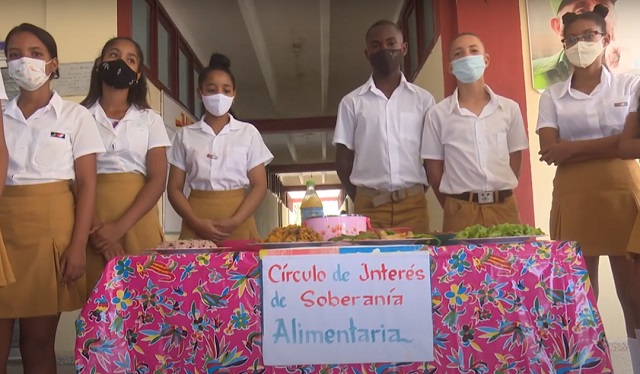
[(218, 158), (595, 192), (52, 152), (132, 173)]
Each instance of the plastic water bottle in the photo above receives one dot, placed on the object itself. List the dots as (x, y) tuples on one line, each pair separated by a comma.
[(311, 205)]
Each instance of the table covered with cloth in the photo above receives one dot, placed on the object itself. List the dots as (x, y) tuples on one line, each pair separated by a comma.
[(508, 308)]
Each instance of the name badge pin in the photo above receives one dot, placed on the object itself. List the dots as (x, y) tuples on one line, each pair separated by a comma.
[(211, 156), (620, 104)]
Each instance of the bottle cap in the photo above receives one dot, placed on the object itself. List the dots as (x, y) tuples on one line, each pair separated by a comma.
[(310, 183)]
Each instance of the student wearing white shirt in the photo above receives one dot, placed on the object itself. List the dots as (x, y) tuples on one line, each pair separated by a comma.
[(132, 173), (52, 145), (378, 137), (218, 158), (595, 192), (6, 272), (472, 145)]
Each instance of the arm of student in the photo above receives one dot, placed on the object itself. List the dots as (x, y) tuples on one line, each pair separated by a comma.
[(435, 170), (73, 259), (558, 152), (344, 167), (258, 181), (4, 153), (175, 187), (111, 232), (630, 139), (515, 161)]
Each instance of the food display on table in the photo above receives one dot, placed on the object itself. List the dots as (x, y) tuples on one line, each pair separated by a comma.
[(502, 233), (293, 233), (187, 244), (385, 236)]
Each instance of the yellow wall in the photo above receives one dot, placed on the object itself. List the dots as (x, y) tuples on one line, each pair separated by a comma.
[(80, 28), (431, 78), (542, 177)]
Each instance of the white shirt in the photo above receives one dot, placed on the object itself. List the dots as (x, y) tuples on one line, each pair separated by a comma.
[(218, 162), (475, 149), (42, 149), (127, 144), (579, 116), (3, 93), (385, 135)]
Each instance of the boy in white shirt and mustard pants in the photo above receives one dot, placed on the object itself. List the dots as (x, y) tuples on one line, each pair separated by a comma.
[(472, 145), (378, 138)]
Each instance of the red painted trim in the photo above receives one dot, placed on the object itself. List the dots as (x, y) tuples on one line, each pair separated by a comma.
[(294, 124), (301, 168), (124, 18)]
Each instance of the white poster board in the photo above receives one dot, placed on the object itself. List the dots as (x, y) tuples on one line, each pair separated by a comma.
[(347, 308), (174, 116)]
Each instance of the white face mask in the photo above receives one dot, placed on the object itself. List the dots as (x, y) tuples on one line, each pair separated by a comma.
[(29, 73), (217, 104), (583, 54)]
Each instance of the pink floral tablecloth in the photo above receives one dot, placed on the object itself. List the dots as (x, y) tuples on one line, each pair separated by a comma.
[(515, 308)]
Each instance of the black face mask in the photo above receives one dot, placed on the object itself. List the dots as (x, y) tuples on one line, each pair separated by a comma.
[(117, 74), (386, 61)]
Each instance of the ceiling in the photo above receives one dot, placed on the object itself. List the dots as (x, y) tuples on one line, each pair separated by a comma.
[(291, 59)]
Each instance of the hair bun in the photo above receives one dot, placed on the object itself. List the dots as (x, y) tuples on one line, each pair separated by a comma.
[(569, 17), (219, 61), (601, 10)]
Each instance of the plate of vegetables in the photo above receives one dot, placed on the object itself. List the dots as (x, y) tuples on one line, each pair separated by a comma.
[(386, 237), (498, 234)]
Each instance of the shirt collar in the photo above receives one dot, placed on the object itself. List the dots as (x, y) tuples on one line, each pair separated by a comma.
[(370, 85), (55, 103), (494, 101), (233, 125), (98, 112), (605, 78)]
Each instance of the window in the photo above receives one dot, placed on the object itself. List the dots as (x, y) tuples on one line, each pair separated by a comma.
[(170, 63), (164, 55), (183, 77), (141, 27), (419, 23)]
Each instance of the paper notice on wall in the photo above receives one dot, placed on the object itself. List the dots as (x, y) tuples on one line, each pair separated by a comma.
[(349, 308)]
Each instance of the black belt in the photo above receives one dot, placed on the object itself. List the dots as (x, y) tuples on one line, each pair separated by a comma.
[(477, 197)]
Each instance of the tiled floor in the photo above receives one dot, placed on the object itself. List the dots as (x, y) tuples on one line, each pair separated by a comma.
[(621, 365)]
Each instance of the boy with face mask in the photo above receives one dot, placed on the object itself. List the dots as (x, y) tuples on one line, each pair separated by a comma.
[(378, 137), (472, 145)]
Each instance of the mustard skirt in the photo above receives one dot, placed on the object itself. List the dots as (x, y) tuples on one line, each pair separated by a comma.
[(218, 205), (596, 204), (115, 193), (37, 223)]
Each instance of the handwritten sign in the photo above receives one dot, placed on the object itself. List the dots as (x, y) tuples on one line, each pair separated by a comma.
[(342, 309)]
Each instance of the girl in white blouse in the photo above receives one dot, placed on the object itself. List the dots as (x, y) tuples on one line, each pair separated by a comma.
[(595, 192), (52, 145), (218, 158), (132, 173)]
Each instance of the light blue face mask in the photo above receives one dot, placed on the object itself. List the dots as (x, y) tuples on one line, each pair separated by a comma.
[(468, 69)]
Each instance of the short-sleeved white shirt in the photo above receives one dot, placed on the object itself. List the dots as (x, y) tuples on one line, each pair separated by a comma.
[(3, 92), (42, 148), (218, 162), (385, 135), (127, 144), (475, 149), (579, 116)]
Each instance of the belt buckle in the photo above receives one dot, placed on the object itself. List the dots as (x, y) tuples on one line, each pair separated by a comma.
[(397, 196), (486, 197)]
